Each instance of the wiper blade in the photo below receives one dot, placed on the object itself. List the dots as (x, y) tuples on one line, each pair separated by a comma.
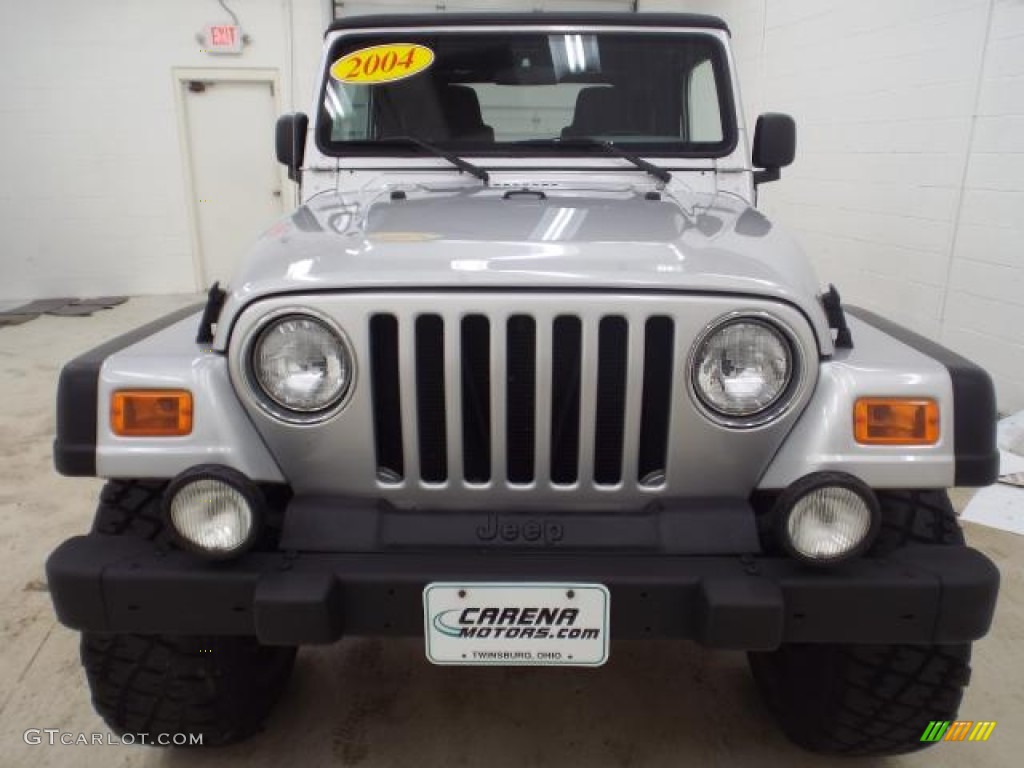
[(458, 162), (586, 141)]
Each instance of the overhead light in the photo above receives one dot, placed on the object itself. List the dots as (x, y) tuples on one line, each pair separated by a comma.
[(574, 53), (334, 105), (558, 224)]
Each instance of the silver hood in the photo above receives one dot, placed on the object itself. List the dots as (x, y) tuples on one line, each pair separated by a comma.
[(465, 238)]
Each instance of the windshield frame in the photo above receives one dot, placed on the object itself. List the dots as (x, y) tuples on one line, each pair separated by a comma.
[(721, 62)]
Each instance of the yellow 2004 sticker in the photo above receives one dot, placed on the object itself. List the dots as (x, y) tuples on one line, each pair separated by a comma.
[(382, 63)]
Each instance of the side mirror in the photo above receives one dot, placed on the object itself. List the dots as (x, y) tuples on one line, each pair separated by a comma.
[(290, 143), (774, 146)]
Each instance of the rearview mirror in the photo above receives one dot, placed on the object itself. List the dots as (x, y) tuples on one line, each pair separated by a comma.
[(774, 146), (290, 143)]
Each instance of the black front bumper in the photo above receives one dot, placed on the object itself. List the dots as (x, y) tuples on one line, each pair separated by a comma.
[(921, 594)]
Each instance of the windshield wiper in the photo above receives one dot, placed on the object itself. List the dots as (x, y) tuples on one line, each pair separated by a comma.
[(458, 162), (586, 141)]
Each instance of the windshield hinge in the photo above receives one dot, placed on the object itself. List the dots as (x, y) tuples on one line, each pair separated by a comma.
[(214, 303), (833, 306)]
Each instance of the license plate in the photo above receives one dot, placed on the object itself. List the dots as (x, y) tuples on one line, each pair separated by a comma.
[(503, 624)]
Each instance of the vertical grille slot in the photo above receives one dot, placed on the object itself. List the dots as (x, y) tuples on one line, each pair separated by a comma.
[(430, 406), (476, 399), (387, 417), (521, 372), (656, 402), (462, 397), (611, 400), (566, 351)]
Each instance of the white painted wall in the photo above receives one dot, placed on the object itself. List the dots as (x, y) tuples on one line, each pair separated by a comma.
[(908, 191), (93, 200), (984, 304)]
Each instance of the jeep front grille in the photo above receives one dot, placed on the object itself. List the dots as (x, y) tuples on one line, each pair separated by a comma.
[(521, 400)]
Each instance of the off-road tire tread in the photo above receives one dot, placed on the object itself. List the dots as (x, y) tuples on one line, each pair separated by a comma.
[(132, 508), (916, 517), (221, 688), (862, 700)]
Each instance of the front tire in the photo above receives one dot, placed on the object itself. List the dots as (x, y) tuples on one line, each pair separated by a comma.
[(213, 690), (861, 699), (218, 690), (871, 699)]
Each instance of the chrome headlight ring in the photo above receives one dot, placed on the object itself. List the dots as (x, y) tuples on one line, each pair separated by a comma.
[(276, 407), (786, 395)]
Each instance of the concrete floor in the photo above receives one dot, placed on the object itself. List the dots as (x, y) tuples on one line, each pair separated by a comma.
[(369, 703)]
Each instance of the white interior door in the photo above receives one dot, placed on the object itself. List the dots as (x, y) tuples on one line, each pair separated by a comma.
[(236, 183)]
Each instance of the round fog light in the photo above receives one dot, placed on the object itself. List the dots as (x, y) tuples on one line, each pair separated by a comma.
[(827, 518), (213, 511)]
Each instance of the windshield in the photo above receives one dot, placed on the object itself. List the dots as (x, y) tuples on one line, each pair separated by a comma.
[(498, 92)]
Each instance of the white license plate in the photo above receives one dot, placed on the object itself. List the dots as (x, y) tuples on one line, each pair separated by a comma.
[(509, 624)]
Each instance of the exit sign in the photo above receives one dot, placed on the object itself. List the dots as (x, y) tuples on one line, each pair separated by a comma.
[(223, 38)]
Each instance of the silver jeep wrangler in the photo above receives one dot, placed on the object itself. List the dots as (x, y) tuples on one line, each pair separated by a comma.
[(528, 372)]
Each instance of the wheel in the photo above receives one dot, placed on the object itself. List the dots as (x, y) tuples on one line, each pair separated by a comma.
[(219, 689), (871, 699), (861, 699)]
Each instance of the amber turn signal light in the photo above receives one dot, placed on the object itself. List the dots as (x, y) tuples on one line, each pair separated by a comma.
[(896, 421), (151, 413)]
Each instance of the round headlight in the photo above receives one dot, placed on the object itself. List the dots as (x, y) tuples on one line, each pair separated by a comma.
[(742, 368), (826, 518), (302, 364), (212, 512)]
